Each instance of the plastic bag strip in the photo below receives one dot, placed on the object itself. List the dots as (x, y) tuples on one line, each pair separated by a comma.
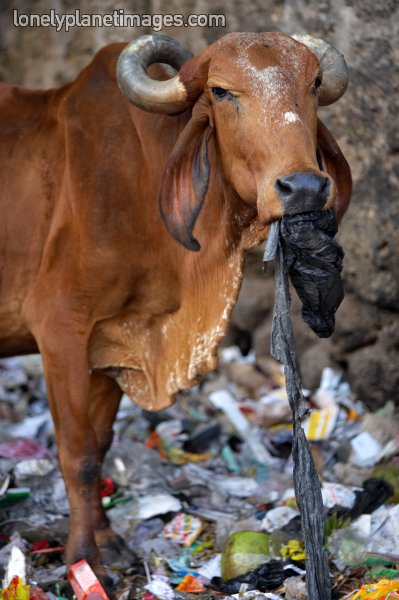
[(306, 481)]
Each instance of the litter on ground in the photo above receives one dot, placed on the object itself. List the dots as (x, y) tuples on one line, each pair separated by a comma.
[(203, 493)]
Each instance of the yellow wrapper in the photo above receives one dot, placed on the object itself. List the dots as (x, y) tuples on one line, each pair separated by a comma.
[(385, 589), (16, 590), (293, 549)]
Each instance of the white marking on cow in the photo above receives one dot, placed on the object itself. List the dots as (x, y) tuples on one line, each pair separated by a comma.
[(273, 82), (291, 117), (205, 342), (267, 83)]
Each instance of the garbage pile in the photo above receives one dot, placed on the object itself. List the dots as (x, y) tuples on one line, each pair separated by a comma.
[(203, 491)]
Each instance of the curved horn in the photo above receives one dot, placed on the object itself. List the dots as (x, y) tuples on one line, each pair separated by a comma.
[(333, 66), (140, 89)]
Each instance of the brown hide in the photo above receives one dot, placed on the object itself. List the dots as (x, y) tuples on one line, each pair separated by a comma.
[(89, 274)]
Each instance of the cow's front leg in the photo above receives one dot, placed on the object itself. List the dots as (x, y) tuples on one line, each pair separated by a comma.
[(64, 351), (105, 395)]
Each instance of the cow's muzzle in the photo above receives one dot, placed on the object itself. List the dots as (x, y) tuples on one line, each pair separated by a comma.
[(303, 192)]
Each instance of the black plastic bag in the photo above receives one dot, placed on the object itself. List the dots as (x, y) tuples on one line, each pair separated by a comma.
[(265, 578), (314, 262), (304, 250), (374, 494)]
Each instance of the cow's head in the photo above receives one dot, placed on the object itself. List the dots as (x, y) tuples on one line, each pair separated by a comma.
[(257, 96)]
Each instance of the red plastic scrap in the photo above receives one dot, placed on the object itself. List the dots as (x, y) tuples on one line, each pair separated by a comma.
[(84, 582), (44, 547), (153, 440), (40, 545), (50, 550), (107, 487)]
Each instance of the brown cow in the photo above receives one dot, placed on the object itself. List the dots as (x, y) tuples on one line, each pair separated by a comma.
[(90, 275)]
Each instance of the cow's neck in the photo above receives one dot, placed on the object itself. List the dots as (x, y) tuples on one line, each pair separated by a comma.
[(170, 349)]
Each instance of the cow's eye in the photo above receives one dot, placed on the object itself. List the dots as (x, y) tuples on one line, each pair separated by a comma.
[(317, 83), (220, 93)]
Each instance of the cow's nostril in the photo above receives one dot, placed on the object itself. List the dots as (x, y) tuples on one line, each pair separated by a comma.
[(303, 192), (325, 186), (283, 186)]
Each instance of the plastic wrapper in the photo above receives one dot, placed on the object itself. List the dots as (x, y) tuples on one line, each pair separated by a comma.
[(160, 588), (336, 494), (12, 559), (33, 467), (157, 546), (225, 401), (156, 504), (370, 535), (40, 427), (274, 407), (172, 432), (325, 395), (254, 595), (320, 424), (277, 517), (47, 488), (181, 565), (171, 448), (145, 531), (240, 487), (381, 529), (190, 584), (347, 548), (183, 529), (16, 567), (211, 568), (366, 450)]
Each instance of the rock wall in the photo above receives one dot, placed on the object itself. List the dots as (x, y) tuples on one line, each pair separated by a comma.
[(365, 122)]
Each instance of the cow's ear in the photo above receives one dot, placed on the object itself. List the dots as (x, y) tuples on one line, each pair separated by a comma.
[(336, 165), (185, 180)]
